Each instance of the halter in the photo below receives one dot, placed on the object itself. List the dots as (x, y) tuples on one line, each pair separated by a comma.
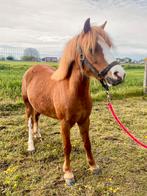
[(99, 75)]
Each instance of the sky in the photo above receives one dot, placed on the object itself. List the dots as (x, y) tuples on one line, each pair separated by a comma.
[(48, 24)]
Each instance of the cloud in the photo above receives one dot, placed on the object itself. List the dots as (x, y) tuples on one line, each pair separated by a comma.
[(50, 24), (54, 39)]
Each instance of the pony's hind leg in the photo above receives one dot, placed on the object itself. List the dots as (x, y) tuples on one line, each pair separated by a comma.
[(36, 130), (31, 146), (29, 114)]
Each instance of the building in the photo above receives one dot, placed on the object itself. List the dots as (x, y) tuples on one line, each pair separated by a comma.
[(124, 60), (50, 59)]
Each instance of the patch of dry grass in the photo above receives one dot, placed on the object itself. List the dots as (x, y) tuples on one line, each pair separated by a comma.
[(123, 163)]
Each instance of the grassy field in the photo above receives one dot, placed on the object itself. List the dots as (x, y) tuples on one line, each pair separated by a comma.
[(123, 163), (11, 75)]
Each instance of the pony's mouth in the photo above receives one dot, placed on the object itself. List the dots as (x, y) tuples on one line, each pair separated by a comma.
[(113, 82)]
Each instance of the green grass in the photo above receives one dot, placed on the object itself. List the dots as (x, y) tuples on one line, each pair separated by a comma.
[(10, 78), (11, 75), (133, 85), (123, 163)]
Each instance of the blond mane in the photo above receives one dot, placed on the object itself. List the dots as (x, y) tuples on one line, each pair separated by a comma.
[(85, 41)]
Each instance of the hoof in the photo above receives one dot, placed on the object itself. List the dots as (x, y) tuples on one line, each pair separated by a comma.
[(70, 181), (40, 138), (31, 149), (96, 170), (37, 136), (69, 178)]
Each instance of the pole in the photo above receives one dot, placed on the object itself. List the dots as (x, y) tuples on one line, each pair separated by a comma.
[(145, 76)]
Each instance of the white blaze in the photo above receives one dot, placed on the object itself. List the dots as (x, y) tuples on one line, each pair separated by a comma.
[(109, 58), (106, 51)]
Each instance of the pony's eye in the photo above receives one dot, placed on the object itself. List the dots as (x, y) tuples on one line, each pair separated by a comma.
[(97, 48), (90, 50)]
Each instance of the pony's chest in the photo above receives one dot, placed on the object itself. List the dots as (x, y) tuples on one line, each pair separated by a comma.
[(79, 110)]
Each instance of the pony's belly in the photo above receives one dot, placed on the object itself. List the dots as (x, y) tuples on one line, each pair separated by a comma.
[(43, 105), (50, 113)]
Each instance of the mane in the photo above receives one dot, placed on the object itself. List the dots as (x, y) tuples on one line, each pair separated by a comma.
[(85, 41)]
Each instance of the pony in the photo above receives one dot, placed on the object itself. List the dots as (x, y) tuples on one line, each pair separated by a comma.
[(64, 93)]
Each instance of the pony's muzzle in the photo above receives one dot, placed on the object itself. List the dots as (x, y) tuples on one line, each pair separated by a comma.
[(118, 72), (113, 82), (116, 75), (120, 77)]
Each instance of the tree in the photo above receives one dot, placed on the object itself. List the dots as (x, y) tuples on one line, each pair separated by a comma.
[(31, 52), (28, 58), (10, 58)]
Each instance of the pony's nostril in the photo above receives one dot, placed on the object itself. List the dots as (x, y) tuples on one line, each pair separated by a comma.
[(116, 73)]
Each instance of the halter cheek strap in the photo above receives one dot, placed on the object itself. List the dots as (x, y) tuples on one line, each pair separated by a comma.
[(98, 75)]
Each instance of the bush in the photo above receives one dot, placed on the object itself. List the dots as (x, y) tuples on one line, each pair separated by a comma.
[(10, 58), (28, 58)]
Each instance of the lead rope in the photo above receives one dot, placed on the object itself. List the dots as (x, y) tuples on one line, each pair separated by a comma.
[(111, 109)]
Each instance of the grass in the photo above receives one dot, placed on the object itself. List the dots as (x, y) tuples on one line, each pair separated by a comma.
[(11, 75), (133, 85), (123, 163), (10, 79)]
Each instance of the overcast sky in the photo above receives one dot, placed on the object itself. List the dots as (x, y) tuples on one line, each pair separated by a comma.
[(49, 24)]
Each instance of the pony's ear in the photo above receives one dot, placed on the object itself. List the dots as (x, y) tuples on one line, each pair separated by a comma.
[(103, 25), (87, 26)]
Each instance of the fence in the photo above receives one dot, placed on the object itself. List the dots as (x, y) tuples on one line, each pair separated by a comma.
[(145, 76)]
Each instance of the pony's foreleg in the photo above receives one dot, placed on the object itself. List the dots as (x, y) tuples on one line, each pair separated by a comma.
[(84, 131), (65, 132)]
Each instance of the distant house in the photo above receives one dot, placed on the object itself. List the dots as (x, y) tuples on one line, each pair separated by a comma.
[(118, 60), (127, 60), (141, 61), (135, 61), (50, 59), (124, 60)]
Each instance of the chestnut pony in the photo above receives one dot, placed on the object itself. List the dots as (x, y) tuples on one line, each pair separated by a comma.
[(64, 93)]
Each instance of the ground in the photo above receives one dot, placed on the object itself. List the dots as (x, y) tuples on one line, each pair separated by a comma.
[(123, 163)]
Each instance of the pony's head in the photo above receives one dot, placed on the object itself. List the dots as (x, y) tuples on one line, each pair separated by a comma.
[(91, 50), (95, 55)]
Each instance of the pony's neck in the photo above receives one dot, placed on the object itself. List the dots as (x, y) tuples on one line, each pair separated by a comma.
[(78, 83)]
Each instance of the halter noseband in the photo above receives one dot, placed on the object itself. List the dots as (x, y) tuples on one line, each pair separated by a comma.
[(99, 75)]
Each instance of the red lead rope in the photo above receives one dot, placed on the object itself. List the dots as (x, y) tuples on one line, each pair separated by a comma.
[(110, 107)]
